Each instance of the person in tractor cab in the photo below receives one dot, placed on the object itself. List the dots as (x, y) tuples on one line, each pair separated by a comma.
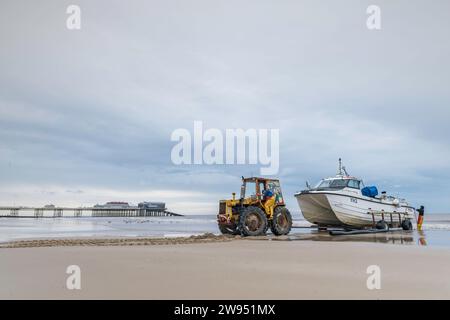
[(268, 201)]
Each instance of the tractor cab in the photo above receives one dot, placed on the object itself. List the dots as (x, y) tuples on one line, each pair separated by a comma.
[(259, 206), (255, 188)]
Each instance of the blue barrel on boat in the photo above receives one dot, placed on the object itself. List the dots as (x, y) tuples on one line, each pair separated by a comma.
[(371, 191)]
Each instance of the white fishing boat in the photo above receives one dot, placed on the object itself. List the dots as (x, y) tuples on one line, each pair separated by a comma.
[(344, 201)]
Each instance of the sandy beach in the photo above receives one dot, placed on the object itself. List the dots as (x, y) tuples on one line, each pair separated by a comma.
[(226, 269)]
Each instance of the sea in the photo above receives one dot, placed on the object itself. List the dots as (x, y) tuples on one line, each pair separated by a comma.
[(435, 231)]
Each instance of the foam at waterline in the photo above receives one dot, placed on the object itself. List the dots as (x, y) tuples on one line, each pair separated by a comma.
[(181, 235), (168, 220), (301, 223), (425, 226), (436, 226)]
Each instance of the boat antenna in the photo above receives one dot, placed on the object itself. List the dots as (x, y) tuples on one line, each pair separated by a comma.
[(345, 171), (342, 169)]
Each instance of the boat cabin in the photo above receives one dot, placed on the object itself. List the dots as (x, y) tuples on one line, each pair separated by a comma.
[(342, 182), (339, 183)]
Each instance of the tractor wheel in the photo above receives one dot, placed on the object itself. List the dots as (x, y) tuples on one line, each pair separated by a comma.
[(281, 222), (228, 229), (252, 222)]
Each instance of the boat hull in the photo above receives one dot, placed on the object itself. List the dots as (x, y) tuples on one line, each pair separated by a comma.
[(317, 209), (329, 208)]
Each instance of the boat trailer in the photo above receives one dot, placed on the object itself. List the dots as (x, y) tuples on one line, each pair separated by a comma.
[(378, 226)]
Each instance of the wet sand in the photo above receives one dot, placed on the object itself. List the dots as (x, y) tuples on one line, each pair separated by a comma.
[(226, 268), (393, 237), (124, 241)]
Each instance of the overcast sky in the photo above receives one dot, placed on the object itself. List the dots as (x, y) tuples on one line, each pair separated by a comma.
[(86, 115)]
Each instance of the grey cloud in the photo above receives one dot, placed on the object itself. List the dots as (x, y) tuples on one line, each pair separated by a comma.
[(96, 107)]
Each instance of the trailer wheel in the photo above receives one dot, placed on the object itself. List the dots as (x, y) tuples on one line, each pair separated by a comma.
[(407, 225), (382, 225), (252, 222), (281, 221)]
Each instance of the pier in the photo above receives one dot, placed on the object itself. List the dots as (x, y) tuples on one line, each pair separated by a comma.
[(111, 209)]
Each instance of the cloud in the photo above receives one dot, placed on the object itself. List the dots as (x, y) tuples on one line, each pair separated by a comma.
[(93, 110)]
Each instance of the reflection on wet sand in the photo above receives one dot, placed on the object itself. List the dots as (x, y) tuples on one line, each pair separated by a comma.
[(422, 239), (392, 237)]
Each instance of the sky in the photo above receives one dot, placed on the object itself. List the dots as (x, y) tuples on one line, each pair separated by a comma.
[(86, 115)]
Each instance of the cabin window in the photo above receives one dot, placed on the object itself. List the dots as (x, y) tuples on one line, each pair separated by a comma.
[(324, 184), (339, 183), (332, 184), (353, 184)]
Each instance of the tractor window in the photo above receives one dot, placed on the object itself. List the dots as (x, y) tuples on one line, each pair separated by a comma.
[(274, 186), (250, 189), (261, 187)]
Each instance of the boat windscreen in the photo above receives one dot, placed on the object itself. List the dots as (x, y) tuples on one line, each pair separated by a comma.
[(332, 184), (338, 183), (323, 184)]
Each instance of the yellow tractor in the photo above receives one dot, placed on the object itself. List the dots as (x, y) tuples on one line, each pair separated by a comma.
[(260, 206)]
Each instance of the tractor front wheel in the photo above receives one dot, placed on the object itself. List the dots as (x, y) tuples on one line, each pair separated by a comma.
[(228, 229), (281, 222), (252, 222)]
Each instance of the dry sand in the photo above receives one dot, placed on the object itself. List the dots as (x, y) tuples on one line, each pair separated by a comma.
[(225, 268)]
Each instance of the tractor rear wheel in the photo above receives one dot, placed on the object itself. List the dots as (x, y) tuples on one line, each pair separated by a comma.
[(281, 221), (252, 222)]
